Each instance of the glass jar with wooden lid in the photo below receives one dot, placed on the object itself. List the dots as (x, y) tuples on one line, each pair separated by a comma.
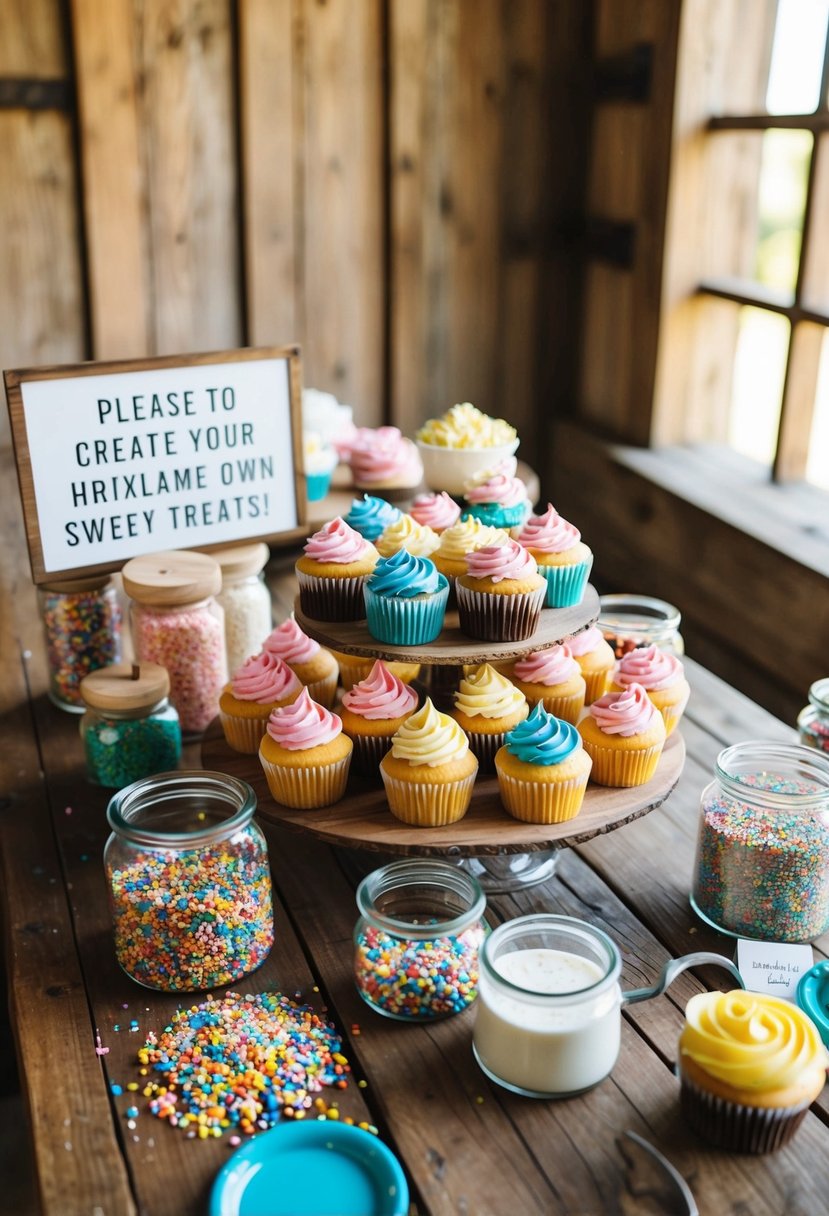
[(82, 626), (178, 623), (245, 598), (129, 730)]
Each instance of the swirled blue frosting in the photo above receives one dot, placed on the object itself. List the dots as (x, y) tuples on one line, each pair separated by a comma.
[(369, 516), (542, 739), (404, 575)]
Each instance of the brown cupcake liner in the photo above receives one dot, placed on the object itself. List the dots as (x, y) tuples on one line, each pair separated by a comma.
[(308, 788), (427, 804), (735, 1128), (499, 618), (244, 734), (369, 750), (484, 747), (332, 599)]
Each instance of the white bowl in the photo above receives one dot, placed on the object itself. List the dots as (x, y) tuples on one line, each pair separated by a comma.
[(451, 468)]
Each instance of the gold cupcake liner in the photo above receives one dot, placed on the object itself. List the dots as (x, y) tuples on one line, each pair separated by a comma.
[(736, 1128), (324, 691), (597, 684), (542, 801), (426, 804), (308, 788), (332, 599), (568, 708), (499, 618), (619, 767), (244, 734)]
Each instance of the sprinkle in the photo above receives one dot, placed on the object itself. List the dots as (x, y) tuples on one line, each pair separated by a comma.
[(362, 1084), (114, 1089), (417, 980), (99, 1049), (132, 1112), (67, 810), (235, 1141)]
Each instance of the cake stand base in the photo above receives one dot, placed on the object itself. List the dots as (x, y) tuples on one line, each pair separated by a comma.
[(503, 872)]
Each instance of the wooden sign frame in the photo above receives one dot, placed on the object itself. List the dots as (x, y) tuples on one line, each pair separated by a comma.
[(199, 401)]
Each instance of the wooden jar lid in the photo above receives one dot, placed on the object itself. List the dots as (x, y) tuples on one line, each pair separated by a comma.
[(125, 686), (92, 582), (172, 577), (241, 561)]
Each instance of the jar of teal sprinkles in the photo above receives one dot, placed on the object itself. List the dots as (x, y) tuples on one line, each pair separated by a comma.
[(129, 729)]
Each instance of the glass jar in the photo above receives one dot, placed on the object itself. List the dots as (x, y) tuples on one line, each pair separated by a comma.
[(189, 883), (813, 719), (417, 939), (178, 624), (82, 625), (246, 600), (129, 730), (761, 868), (631, 621), (548, 1020)]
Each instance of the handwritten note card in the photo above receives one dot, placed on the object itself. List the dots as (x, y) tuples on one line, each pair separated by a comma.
[(773, 968)]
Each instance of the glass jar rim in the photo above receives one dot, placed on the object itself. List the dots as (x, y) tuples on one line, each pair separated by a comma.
[(580, 929), (161, 788), (659, 614), (414, 872), (819, 694), (757, 755)]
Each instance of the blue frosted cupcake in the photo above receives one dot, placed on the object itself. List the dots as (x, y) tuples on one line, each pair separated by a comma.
[(370, 516), (500, 501), (320, 461), (542, 769), (405, 600)]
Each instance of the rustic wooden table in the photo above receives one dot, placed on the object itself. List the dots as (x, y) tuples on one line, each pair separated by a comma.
[(467, 1146)]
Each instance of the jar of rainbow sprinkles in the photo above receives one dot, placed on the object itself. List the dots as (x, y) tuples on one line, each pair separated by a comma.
[(813, 719), (189, 882)]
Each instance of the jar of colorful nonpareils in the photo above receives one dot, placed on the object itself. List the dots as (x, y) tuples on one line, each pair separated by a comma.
[(813, 719), (417, 939), (177, 623), (630, 621), (761, 867), (82, 625), (245, 599), (190, 887), (130, 730)]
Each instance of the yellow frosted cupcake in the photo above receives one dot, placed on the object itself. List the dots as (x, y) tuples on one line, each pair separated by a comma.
[(563, 558), (501, 594), (661, 675), (623, 733), (543, 769), (332, 571), (552, 677), (354, 668), (407, 533), (312, 665), (429, 772), (750, 1067), (595, 657), (263, 683), (371, 712), (460, 539), (487, 705), (305, 755)]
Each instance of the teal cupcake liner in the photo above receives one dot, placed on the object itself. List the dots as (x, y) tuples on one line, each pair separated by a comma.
[(406, 622), (496, 516), (316, 485), (565, 584)]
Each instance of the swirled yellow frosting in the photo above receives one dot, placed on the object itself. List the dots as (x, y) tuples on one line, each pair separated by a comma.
[(467, 535), (486, 693), (429, 737), (464, 426), (751, 1042), (407, 533)]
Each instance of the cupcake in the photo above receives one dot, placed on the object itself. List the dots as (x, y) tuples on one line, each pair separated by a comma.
[(435, 511), (405, 600), (313, 666), (750, 1066), (331, 574), (383, 461), (500, 596), (487, 705), (661, 675), (407, 533), (369, 516), (372, 711), (429, 771), (554, 678), (595, 657), (354, 668), (462, 538), (323, 413), (563, 559), (305, 755), (623, 733), (263, 683), (542, 769), (500, 501), (319, 462)]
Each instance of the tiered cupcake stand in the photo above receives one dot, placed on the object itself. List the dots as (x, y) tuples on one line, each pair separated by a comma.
[(502, 852)]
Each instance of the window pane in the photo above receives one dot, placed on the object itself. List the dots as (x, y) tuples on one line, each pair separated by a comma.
[(757, 386), (797, 56), (784, 172), (817, 467)]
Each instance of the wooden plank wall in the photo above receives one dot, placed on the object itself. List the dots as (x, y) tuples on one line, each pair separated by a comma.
[(371, 178)]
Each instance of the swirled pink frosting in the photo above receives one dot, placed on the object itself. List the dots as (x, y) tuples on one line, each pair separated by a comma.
[(650, 667), (549, 533), (585, 641), (264, 679), (384, 454), (501, 489), (624, 713), (495, 562), (380, 695), (290, 643), (553, 666), (303, 724), (337, 542), (437, 511)]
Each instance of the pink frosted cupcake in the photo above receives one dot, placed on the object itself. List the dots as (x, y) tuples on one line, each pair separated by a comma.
[(385, 463), (501, 501), (661, 675), (305, 755), (331, 573), (554, 678), (263, 683), (371, 712), (595, 657), (313, 666), (500, 596), (563, 558), (623, 734), (435, 511)]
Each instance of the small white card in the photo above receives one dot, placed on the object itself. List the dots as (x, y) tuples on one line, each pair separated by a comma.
[(773, 968)]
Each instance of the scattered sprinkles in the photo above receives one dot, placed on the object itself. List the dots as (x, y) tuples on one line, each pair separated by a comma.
[(417, 980), (100, 1050)]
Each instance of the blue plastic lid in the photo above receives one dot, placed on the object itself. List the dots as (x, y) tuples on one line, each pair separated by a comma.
[(813, 997), (315, 1168)]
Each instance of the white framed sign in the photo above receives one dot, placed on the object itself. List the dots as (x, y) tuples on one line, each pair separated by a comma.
[(119, 459)]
